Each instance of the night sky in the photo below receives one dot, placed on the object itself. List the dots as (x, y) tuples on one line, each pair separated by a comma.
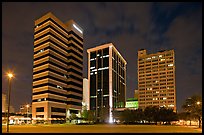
[(129, 26)]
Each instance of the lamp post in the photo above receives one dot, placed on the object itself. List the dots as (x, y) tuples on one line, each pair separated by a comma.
[(27, 106), (10, 76), (199, 116)]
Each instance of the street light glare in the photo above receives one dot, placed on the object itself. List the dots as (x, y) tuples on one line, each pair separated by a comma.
[(198, 103), (10, 75)]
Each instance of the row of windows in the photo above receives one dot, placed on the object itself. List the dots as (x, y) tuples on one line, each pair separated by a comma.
[(55, 86), (60, 53), (156, 57), (59, 73), (77, 42), (50, 41), (61, 110), (76, 47), (59, 66), (156, 102), (70, 32), (60, 46), (50, 19), (50, 27), (50, 34), (61, 60), (56, 93), (157, 64), (57, 100)]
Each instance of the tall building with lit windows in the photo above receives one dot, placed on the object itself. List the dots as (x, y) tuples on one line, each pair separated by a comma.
[(57, 69), (107, 80), (156, 79)]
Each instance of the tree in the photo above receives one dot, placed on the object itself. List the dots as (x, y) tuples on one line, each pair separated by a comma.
[(84, 113), (193, 105), (91, 116), (104, 114), (151, 113), (126, 116), (72, 117), (185, 116), (170, 116)]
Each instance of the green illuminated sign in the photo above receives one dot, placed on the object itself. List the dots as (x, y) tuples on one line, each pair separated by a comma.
[(131, 104)]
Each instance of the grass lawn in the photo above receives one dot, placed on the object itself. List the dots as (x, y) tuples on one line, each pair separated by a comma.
[(106, 128)]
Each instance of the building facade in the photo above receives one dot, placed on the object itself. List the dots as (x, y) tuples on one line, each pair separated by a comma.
[(57, 68), (156, 79), (25, 109), (136, 92), (107, 80), (4, 104), (86, 94)]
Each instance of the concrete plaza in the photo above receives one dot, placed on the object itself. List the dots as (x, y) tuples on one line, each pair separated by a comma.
[(106, 128)]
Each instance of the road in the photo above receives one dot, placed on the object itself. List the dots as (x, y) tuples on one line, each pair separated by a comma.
[(108, 128)]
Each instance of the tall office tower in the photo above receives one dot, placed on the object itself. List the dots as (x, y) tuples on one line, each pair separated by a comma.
[(86, 98), (156, 79), (107, 80), (4, 103), (57, 68)]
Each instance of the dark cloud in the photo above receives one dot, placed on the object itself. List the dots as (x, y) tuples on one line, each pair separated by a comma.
[(130, 26)]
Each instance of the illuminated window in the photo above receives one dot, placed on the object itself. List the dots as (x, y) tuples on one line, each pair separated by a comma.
[(170, 65), (60, 87), (42, 50)]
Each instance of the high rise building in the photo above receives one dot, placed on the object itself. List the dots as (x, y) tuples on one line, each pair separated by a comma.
[(156, 79), (4, 103), (107, 80), (136, 92), (57, 68), (86, 94)]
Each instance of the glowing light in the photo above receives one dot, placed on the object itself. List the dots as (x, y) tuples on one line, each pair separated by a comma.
[(110, 118), (198, 103), (77, 28), (10, 75), (170, 65)]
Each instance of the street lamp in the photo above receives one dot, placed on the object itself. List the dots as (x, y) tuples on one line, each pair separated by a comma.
[(27, 112), (10, 76), (198, 103)]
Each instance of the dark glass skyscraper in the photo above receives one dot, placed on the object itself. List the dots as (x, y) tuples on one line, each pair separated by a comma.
[(107, 80)]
